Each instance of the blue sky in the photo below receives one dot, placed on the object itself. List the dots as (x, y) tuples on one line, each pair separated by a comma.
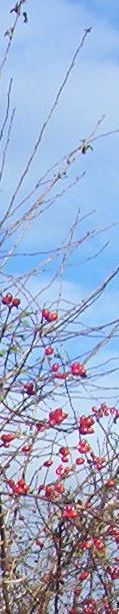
[(39, 57), (109, 11)]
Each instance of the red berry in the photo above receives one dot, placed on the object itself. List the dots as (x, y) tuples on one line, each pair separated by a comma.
[(56, 416), (48, 463), (29, 388), (55, 367), (48, 350), (15, 301), (26, 449), (83, 447), (60, 375), (59, 488), (49, 491), (62, 471), (41, 425), (64, 451), (86, 425), (98, 543), (80, 461), (7, 438), (7, 299), (50, 316), (53, 316), (110, 483), (69, 512), (84, 575), (21, 482), (45, 313), (22, 487)]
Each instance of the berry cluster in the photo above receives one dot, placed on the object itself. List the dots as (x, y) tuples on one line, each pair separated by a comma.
[(10, 301), (18, 488), (86, 425), (49, 316), (78, 369), (56, 417)]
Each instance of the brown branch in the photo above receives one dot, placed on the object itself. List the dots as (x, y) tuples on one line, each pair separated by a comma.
[(4, 562), (46, 122)]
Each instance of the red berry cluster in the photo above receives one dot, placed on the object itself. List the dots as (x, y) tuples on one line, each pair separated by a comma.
[(18, 488), (86, 425), (98, 461), (62, 472), (90, 606), (113, 572), (49, 316), (6, 439), (69, 512), (98, 543), (61, 375), (41, 425), (10, 301), (114, 532), (56, 417), (53, 490), (29, 389), (105, 410), (83, 447), (64, 451), (78, 369)]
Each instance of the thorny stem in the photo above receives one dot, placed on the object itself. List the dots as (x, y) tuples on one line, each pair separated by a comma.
[(59, 554), (3, 561)]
